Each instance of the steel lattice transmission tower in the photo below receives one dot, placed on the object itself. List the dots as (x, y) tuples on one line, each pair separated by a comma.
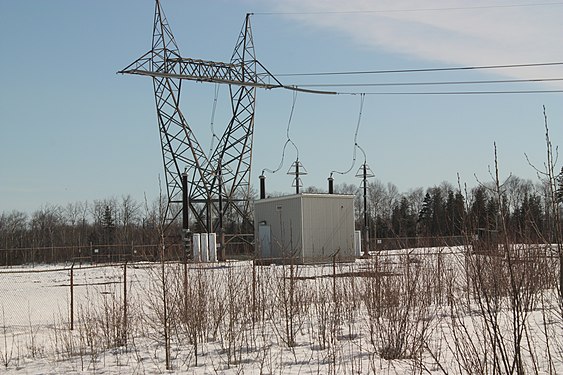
[(219, 182)]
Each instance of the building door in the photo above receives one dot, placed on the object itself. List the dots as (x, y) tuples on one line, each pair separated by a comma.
[(264, 234)]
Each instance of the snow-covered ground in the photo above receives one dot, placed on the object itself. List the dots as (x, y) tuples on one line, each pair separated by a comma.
[(413, 311)]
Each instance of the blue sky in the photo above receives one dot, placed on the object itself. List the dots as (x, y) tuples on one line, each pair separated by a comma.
[(71, 129)]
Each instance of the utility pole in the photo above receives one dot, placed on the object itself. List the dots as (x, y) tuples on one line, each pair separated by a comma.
[(221, 231), (365, 172), (297, 170), (185, 217)]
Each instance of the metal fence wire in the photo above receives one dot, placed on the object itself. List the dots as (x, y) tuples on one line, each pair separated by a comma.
[(77, 312)]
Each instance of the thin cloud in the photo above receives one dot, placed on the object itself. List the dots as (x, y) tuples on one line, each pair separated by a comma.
[(447, 32)]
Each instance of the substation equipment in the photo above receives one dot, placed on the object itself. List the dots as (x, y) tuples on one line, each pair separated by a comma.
[(305, 228), (203, 188)]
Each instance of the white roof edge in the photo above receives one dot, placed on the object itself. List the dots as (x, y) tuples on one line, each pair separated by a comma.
[(303, 195)]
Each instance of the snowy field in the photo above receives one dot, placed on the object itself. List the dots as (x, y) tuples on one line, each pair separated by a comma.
[(436, 310)]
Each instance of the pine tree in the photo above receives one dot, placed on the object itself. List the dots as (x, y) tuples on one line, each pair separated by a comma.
[(425, 216), (403, 220), (478, 210), (455, 211), (108, 225), (438, 212)]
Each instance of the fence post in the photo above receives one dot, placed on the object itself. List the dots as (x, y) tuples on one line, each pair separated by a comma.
[(334, 278), (124, 334), (254, 280), (72, 297), (185, 288)]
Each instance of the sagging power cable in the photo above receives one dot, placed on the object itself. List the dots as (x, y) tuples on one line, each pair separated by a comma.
[(213, 110), (362, 97), (288, 138)]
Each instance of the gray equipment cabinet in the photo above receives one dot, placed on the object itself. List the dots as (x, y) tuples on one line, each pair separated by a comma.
[(305, 228)]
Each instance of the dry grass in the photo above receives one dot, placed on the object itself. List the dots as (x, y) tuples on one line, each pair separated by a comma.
[(445, 310)]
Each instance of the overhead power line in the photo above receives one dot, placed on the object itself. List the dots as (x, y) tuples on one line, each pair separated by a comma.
[(438, 83), (410, 10), (420, 70), (492, 92), (435, 83)]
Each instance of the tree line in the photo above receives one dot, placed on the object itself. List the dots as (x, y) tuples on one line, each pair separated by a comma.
[(438, 211), (445, 210), (101, 222)]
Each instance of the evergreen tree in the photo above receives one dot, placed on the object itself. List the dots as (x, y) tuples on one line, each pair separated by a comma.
[(108, 225), (455, 213), (403, 221), (478, 210), (492, 215), (438, 212), (458, 214), (425, 216), (528, 219)]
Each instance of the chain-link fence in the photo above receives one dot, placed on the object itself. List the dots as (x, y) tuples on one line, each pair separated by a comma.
[(238, 317)]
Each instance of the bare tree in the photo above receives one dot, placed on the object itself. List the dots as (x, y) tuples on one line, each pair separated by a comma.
[(550, 178), (127, 217)]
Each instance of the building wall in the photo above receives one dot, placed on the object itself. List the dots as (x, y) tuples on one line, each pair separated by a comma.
[(328, 228), (283, 216)]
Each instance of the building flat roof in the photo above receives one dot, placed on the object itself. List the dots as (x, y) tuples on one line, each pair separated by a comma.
[(304, 195)]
